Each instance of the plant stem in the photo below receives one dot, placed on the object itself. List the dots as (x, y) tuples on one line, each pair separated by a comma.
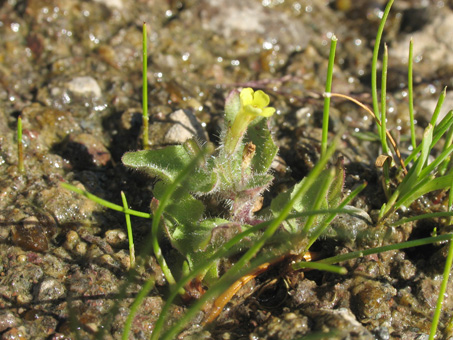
[(149, 284), (325, 118), (399, 246), (410, 85), (375, 60), (20, 146), (320, 266), (316, 233), (439, 104), (320, 199), (130, 237), (442, 290), (145, 90), (103, 202), (383, 129)]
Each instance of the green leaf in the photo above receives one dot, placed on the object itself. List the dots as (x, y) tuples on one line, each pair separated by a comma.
[(439, 131), (258, 182), (266, 150), (198, 242), (426, 149), (203, 182), (183, 208), (191, 238), (163, 163), (232, 106), (426, 185), (413, 176)]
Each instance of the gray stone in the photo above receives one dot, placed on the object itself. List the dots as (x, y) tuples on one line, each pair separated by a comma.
[(185, 126), (85, 86)]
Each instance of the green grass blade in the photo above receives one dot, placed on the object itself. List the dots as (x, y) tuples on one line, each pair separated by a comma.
[(328, 89), (445, 124), (130, 237), (145, 90), (450, 203), (383, 129), (318, 232), (103, 202), (20, 146), (109, 317), (320, 199), (410, 85), (425, 151), (439, 104), (439, 159), (375, 59), (413, 178), (425, 185), (335, 211), (320, 266), (398, 246), (442, 290), (421, 217), (448, 142), (149, 284)]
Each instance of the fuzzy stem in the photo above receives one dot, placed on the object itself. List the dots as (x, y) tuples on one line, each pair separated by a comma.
[(236, 132)]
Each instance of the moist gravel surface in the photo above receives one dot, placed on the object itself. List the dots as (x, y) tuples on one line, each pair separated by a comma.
[(72, 70)]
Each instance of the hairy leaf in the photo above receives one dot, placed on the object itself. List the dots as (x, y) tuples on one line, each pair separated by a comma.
[(163, 163), (232, 106), (266, 150)]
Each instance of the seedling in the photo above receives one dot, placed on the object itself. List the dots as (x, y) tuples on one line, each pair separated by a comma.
[(236, 174)]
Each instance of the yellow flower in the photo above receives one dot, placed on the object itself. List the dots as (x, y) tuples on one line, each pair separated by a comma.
[(253, 105)]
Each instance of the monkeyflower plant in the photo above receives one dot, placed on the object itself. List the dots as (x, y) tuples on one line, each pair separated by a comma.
[(233, 177)]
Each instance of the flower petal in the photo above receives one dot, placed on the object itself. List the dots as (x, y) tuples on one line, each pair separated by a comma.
[(246, 96), (261, 99), (253, 111), (267, 112)]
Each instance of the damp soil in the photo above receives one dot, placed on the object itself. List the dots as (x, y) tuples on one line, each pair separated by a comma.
[(72, 70)]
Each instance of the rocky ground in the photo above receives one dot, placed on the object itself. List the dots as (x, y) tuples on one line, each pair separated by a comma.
[(72, 70)]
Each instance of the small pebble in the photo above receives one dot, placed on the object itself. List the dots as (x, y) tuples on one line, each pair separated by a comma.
[(18, 333), (51, 289), (72, 238), (29, 234), (85, 86), (115, 237), (185, 126), (7, 320)]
